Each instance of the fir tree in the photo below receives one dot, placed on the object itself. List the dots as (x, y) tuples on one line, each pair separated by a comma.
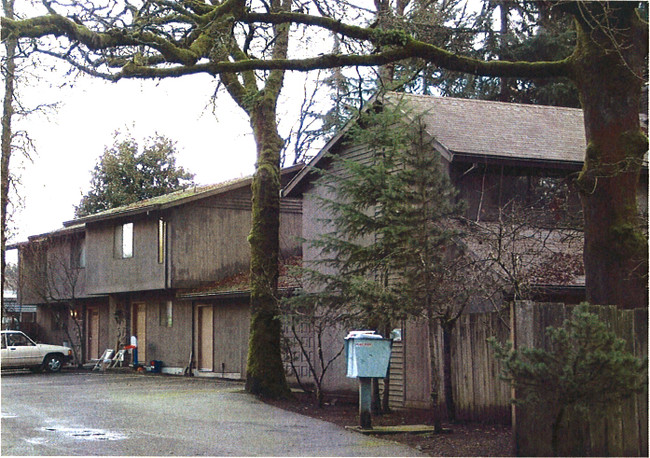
[(389, 252), (585, 367)]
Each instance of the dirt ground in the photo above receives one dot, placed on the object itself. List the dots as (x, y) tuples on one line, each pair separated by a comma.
[(462, 439)]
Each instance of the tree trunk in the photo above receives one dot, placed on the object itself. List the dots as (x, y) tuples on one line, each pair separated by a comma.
[(7, 113), (446, 369), (608, 70), (265, 371), (433, 369)]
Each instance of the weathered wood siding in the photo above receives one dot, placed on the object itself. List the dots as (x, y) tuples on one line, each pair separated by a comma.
[(170, 344), (47, 272), (230, 325), (620, 430), (208, 239), (108, 273)]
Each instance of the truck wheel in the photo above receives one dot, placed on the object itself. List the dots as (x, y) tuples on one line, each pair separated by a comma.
[(53, 363)]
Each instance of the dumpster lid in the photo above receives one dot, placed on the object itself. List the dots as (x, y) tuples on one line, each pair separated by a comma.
[(363, 335)]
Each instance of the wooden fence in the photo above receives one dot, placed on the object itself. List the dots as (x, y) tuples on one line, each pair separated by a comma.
[(481, 396), (620, 430)]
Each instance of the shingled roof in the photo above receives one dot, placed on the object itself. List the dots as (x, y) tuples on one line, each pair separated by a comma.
[(176, 198), (487, 131), (498, 129)]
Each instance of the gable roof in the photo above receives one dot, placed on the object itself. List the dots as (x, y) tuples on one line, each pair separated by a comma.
[(177, 198), (480, 130), (73, 229), (499, 129)]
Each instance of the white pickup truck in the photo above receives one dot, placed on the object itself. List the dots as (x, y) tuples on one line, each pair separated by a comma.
[(20, 352)]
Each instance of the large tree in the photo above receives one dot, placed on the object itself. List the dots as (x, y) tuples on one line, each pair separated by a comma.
[(127, 173), (242, 40)]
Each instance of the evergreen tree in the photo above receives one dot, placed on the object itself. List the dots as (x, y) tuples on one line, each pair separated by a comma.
[(125, 174), (390, 252), (586, 366)]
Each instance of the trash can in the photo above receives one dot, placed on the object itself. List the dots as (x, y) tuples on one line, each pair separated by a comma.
[(156, 367), (367, 354)]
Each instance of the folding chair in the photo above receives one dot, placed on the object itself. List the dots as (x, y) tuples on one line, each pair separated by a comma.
[(117, 359), (99, 365)]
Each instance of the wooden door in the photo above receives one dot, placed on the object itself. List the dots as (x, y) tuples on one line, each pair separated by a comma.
[(140, 330), (93, 333), (206, 339)]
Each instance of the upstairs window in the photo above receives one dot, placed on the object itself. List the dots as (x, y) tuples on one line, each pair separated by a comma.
[(78, 254), (124, 241), (165, 314), (162, 236)]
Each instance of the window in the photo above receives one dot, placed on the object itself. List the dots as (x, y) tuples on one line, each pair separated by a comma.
[(78, 254), (162, 235), (124, 241), (165, 313)]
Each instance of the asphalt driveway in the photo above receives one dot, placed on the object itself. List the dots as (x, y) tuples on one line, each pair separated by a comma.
[(92, 413)]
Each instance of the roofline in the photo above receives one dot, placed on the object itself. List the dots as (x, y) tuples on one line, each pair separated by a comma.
[(458, 156), (236, 294), (73, 229), (117, 213), (452, 156), (311, 165)]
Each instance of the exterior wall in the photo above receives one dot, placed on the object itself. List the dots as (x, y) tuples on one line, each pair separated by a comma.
[(208, 239), (230, 323), (57, 326), (161, 342), (108, 273), (48, 273)]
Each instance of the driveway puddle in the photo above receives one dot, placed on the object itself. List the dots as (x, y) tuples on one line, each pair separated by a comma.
[(87, 433)]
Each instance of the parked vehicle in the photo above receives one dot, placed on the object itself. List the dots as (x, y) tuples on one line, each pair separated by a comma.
[(20, 352)]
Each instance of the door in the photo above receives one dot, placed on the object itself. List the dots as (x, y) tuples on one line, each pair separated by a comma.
[(206, 339), (93, 333), (140, 329)]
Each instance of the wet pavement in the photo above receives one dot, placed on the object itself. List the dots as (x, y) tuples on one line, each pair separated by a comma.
[(126, 413)]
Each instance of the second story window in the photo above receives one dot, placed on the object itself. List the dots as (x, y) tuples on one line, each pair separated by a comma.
[(124, 241), (162, 235), (78, 254)]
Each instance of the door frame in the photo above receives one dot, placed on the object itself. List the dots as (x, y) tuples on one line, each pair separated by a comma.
[(90, 311), (141, 334), (205, 343)]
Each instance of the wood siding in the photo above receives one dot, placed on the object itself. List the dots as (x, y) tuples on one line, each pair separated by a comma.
[(48, 271), (229, 338), (209, 238), (108, 273)]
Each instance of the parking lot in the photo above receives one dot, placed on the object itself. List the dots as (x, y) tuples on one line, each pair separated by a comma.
[(126, 413)]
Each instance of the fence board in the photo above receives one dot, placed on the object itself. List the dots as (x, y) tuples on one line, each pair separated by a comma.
[(621, 430)]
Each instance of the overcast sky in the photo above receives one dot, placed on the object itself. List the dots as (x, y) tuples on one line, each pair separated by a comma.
[(216, 146)]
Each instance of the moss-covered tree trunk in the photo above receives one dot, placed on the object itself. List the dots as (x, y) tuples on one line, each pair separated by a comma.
[(608, 70), (7, 113), (265, 371)]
